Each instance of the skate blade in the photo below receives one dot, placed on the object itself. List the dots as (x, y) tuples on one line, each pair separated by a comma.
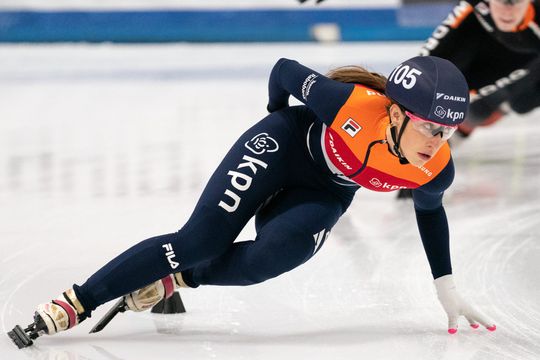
[(119, 307), (172, 305), (20, 338)]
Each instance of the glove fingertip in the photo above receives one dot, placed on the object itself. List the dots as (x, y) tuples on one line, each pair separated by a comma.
[(475, 326), (452, 331), (491, 328)]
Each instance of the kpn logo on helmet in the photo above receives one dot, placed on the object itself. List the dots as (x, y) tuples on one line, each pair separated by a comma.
[(448, 113), (440, 112)]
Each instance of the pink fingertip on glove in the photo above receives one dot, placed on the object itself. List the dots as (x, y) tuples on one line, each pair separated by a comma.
[(452, 331), (475, 326), (492, 328)]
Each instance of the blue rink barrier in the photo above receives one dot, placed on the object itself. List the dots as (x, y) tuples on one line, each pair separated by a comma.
[(203, 26)]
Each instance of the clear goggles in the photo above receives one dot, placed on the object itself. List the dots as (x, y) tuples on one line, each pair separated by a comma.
[(430, 128)]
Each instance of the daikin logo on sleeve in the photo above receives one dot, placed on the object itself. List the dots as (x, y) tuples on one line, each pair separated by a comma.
[(306, 86)]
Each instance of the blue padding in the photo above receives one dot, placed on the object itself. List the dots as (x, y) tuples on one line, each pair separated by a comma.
[(201, 26)]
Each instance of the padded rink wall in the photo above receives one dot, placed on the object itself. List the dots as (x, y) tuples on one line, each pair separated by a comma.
[(147, 21)]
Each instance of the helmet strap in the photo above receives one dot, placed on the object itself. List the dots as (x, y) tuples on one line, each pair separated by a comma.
[(396, 138)]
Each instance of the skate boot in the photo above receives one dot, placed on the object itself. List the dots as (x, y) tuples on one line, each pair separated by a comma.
[(150, 295), (159, 296), (173, 304), (60, 314)]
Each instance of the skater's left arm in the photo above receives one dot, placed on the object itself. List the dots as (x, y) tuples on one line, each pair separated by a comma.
[(321, 94), (433, 227)]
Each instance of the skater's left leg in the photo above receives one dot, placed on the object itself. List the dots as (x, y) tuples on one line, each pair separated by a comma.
[(290, 230)]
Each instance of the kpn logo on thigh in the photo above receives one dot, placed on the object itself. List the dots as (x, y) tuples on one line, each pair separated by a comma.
[(242, 178)]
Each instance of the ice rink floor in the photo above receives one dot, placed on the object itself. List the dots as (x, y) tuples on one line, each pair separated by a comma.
[(102, 146)]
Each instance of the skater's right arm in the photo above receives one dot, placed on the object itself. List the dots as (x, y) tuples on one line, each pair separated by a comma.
[(321, 94)]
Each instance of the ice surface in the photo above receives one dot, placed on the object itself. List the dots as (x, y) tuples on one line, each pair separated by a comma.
[(102, 146)]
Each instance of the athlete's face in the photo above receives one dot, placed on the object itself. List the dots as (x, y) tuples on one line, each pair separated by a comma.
[(508, 16), (415, 146)]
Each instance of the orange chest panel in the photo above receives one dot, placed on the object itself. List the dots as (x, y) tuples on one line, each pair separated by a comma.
[(355, 146)]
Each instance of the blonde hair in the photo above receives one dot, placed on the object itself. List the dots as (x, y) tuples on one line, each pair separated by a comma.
[(358, 75)]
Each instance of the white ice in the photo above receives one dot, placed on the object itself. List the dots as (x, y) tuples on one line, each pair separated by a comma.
[(102, 146)]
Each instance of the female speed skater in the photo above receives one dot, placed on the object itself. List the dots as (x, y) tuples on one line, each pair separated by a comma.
[(296, 171)]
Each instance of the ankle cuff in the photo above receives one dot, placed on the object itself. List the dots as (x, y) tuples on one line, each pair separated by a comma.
[(72, 299), (179, 280)]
